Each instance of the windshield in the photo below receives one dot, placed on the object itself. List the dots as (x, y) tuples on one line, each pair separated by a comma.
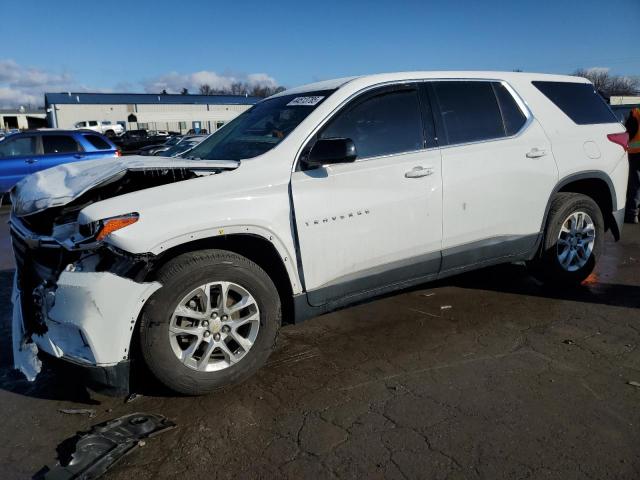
[(260, 128)]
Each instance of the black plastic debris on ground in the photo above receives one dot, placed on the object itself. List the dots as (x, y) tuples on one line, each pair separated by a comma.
[(90, 454)]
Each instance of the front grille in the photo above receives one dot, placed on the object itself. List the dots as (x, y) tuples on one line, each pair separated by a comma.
[(36, 266)]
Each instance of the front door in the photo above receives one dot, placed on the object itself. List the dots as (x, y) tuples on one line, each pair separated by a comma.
[(17, 157), (377, 221)]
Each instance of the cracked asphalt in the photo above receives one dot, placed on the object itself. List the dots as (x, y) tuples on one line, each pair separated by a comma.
[(482, 376)]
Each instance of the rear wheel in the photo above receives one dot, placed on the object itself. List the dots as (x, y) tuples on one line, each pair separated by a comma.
[(573, 240), (110, 133), (213, 323)]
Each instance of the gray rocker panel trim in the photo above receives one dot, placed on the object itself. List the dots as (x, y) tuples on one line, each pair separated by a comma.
[(374, 278), (400, 275)]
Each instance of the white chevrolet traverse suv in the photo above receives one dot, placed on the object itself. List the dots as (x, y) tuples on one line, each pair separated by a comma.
[(315, 198)]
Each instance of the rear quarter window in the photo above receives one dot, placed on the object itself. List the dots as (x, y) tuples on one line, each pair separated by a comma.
[(512, 117), (579, 101), (97, 142)]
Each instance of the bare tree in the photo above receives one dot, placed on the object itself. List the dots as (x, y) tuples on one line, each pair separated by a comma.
[(241, 88), (206, 90), (609, 84), (264, 91), (184, 91)]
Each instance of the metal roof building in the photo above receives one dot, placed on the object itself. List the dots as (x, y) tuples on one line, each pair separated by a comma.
[(172, 112)]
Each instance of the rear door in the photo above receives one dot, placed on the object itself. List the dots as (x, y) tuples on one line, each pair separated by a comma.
[(497, 171), (377, 221), (17, 156), (57, 149)]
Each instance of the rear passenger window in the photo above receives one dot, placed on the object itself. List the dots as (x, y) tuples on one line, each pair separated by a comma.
[(97, 142), (59, 144), (470, 111), (512, 116), (384, 124), (579, 101)]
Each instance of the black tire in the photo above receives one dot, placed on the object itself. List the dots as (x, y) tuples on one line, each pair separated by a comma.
[(546, 266), (110, 133), (181, 275)]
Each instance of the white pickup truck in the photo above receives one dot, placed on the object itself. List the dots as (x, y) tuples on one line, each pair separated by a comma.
[(105, 127), (315, 198)]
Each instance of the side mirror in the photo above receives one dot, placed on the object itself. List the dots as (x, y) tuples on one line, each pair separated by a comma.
[(331, 150)]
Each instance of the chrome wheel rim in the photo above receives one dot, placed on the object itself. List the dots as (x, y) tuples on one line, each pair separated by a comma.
[(214, 326), (575, 241)]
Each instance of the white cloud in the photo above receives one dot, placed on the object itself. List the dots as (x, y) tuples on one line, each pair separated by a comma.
[(597, 70), (13, 97), (174, 82), (21, 85)]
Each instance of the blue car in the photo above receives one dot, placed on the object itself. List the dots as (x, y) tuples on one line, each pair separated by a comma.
[(24, 153)]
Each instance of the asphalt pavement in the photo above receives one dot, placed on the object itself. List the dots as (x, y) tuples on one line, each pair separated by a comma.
[(482, 376)]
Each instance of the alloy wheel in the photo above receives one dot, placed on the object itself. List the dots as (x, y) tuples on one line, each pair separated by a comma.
[(214, 326), (576, 241)]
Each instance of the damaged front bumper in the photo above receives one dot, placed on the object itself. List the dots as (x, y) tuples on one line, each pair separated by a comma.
[(74, 312)]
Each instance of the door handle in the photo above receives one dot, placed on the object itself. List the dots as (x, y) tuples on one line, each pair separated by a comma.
[(79, 155), (417, 172), (31, 160), (536, 153)]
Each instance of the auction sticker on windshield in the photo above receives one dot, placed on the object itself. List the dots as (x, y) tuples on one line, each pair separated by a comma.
[(305, 101)]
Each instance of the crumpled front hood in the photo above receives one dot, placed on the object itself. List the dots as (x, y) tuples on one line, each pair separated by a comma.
[(61, 185)]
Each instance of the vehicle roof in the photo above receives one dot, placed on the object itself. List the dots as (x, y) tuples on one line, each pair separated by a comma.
[(57, 131), (80, 98), (426, 75)]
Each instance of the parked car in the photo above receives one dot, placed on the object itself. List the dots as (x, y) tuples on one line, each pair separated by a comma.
[(24, 153), (132, 141), (5, 133), (183, 146), (105, 127), (314, 199), (158, 133), (161, 147)]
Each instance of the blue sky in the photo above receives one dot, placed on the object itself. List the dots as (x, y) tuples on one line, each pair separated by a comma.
[(145, 46)]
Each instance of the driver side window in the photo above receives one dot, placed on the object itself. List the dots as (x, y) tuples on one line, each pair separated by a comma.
[(17, 147), (383, 124)]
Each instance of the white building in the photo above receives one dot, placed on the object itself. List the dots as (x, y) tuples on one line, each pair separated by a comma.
[(22, 118), (627, 100), (178, 113)]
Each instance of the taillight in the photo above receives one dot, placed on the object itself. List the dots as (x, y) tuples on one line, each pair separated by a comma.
[(118, 153), (621, 139)]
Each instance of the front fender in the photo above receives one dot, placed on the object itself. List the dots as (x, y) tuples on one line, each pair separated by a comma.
[(286, 255)]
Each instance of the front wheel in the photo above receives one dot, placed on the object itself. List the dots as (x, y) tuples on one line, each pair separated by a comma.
[(573, 241), (213, 323)]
